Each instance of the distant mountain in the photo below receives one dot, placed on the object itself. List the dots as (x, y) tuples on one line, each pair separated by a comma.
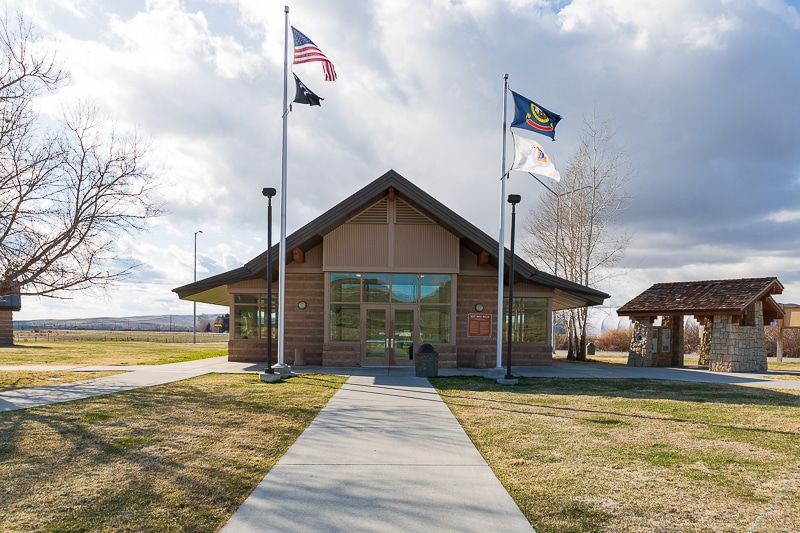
[(131, 323)]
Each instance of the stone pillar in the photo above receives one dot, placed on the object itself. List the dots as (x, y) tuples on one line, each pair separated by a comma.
[(739, 347), (6, 328), (705, 342), (639, 353), (720, 355)]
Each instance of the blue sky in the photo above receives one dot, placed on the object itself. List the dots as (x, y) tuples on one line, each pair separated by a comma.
[(702, 95)]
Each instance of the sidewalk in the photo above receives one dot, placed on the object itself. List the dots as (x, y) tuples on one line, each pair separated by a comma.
[(133, 377), (384, 455)]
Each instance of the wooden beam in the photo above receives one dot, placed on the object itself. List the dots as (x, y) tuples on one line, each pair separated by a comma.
[(298, 256), (483, 258)]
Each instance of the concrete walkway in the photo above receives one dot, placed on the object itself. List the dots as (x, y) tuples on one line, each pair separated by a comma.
[(133, 377), (384, 455)]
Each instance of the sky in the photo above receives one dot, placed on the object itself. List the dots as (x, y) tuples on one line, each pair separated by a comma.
[(703, 97)]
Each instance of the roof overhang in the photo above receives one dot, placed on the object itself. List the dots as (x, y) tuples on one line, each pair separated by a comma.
[(214, 290)]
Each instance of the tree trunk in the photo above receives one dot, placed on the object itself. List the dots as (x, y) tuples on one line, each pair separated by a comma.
[(571, 337)]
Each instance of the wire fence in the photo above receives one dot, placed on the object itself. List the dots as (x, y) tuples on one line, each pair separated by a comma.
[(39, 335)]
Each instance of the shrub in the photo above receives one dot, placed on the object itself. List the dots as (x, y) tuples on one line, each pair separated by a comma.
[(616, 340)]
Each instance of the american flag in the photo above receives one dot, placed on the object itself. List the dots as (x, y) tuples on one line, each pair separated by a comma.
[(305, 51)]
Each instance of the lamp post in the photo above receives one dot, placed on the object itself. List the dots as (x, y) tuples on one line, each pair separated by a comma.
[(194, 312), (513, 199), (269, 192)]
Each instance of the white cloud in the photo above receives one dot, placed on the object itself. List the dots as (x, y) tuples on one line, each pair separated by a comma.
[(419, 91), (783, 216)]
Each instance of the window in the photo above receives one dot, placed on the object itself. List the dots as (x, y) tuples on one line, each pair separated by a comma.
[(435, 289), (349, 291), (405, 288), (345, 322), (375, 287), (434, 323), (528, 320), (249, 317), (345, 288)]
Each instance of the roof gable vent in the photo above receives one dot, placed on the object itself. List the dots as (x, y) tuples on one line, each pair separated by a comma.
[(377, 213), (405, 214)]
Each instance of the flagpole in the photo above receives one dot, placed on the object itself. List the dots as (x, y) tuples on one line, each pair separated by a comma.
[(501, 247), (282, 249)]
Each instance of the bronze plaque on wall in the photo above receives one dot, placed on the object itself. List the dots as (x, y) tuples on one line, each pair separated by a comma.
[(479, 325)]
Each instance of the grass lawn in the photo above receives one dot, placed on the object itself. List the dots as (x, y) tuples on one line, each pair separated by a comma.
[(587, 455), (106, 353), (176, 457)]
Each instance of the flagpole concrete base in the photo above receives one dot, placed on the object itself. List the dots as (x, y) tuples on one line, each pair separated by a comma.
[(269, 378), (283, 369)]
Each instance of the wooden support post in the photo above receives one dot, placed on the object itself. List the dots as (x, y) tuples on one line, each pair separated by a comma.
[(779, 348)]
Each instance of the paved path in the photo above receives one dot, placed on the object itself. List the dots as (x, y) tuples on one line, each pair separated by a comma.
[(384, 455), (134, 377)]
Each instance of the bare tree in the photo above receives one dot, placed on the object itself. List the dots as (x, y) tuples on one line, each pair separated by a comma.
[(66, 194), (573, 232)]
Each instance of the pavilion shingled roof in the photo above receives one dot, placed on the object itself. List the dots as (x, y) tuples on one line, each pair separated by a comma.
[(699, 298)]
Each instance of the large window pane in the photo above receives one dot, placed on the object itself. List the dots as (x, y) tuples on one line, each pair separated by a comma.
[(245, 321), (345, 323), (274, 316), (435, 288), (528, 320), (375, 287), (434, 323), (345, 288), (405, 288)]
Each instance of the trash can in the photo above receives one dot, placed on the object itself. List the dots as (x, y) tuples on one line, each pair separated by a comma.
[(426, 363), (590, 349)]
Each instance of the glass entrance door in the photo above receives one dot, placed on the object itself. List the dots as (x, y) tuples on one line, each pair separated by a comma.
[(376, 343), (403, 337), (389, 334)]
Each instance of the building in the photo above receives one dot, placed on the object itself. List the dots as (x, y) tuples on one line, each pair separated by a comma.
[(732, 311), (382, 272), (9, 303)]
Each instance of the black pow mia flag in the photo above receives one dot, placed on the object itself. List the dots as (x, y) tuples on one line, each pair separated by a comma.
[(304, 95)]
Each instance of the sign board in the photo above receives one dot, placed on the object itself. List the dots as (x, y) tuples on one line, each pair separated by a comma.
[(666, 340), (10, 302), (479, 325)]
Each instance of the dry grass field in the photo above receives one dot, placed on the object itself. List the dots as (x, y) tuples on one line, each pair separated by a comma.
[(583, 455), (172, 458), (98, 353)]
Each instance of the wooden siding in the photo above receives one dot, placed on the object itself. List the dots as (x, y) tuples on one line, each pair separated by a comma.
[(425, 247), (353, 247)]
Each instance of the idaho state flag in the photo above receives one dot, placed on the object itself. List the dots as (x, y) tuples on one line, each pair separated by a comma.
[(531, 116)]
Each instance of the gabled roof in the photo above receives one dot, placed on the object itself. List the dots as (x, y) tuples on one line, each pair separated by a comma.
[(213, 289), (705, 298)]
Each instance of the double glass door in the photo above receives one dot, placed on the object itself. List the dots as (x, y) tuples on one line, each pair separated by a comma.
[(389, 333)]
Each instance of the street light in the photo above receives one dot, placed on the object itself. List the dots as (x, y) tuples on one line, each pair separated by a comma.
[(513, 199), (269, 192), (194, 313)]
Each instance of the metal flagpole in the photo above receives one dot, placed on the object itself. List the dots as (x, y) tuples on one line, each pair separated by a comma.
[(282, 249), (501, 247)]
